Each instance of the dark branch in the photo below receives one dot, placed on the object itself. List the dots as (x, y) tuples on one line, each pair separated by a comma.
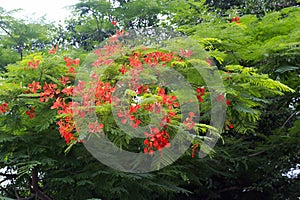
[(36, 187), (9, 175), (229, 189)]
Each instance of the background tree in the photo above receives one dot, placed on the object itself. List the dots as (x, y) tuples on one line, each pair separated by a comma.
[(94, 20), (261, 147), (257, 7), (21, 35)]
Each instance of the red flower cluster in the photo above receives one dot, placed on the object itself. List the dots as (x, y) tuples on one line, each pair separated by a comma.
[(200, 92), (169, 101), (30, 112), (194, 149), (66, 125), (34, 86), (50, 90), (209, 61), (66, 129), (103, 93), (33, 64), (156, 139), (221, 98), (95, 127), (134, 61), (142, 89), (189, 121), (53, 50), (74, 62), (64, 80), (151, 59), (228, 102), (235, 19), (155, 57), (114, 22), (134, 122), (228, 124), (185, 53), (4, 107), (123, 70)]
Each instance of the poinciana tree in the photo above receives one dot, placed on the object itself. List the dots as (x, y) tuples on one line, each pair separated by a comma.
[(22, 36), (41, 100), (268, 44)]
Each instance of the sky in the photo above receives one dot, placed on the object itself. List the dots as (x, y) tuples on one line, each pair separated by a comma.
[(34, 9)]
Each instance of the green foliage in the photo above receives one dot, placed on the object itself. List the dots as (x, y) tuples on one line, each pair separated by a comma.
[(262, 58), (248, 91), (7, 56), (21, 35), (139, 13), (251, 47), (257, 7)]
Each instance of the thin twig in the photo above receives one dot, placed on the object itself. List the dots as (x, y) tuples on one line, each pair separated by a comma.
[(288, 119)]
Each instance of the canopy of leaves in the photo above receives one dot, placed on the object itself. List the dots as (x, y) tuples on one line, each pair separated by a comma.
[(257, 57)]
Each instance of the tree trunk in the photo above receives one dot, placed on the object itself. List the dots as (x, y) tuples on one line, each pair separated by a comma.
[(35, 186)]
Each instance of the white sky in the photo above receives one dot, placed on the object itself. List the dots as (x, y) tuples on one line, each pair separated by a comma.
[(33, 9)]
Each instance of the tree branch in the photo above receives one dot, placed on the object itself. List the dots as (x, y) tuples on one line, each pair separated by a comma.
[(9, 175), (35, 186), (8, 33), (256, 154), (6, 191), (229, 189)]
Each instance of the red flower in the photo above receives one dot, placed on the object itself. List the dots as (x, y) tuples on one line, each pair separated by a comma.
[(34, 86), (64, 80), (185, 53), (133, 109), (4, 107), (134, 61), (72, 70), (30, 112), (65, 129), (53, 50), (123, 70), (58, 104), (189, 121), (114, 22), (68, 61), (209, 61), (201, 91), (33, 64), (191, 114), (194, 149), (103, 93), (235, 19), (227, 102), (200, 99), (95, 127), (68, 91), (176, 104), (231, 126), (156, 140), (49, 91), (135, 123), (123, 121), (76, 61), (220, 97)]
